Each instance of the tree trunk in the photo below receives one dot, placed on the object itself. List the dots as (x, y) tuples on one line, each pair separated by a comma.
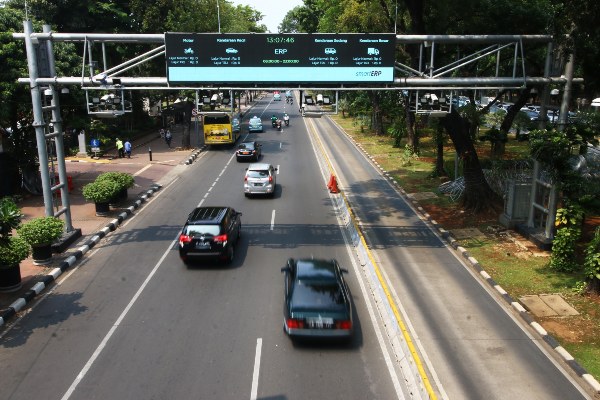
[(439, 159), (377, 118), (412, 138), (478, 196), (512, 112)]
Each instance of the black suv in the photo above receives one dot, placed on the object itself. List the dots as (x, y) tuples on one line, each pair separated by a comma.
[(210, 232)]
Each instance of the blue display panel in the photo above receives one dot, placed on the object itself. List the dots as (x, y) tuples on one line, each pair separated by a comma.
[(280, 58)]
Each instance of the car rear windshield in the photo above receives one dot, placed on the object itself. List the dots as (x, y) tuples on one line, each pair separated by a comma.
[(246, 146), (317, 296), (253, 173), (198, 230)]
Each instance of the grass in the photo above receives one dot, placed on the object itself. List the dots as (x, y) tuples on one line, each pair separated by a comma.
[(516, 265)]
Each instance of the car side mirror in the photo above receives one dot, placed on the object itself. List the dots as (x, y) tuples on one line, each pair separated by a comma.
[(285, 269), (344, 270)]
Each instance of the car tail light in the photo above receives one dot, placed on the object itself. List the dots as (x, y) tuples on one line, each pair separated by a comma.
[(345, 324), (183, 239), (246, 178), (220, 238), (270, 179), (294, 323)]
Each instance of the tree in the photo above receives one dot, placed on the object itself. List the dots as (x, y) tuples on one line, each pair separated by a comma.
[(478, 196)]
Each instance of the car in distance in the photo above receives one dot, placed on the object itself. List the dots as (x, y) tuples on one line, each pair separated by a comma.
[(255, 125), (317, 301), (260, 178), (277, 97), (248, 151), (235, 125), (210, 232)]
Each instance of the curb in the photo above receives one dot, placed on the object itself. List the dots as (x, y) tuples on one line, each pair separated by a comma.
[(195, 155), (94, 239), (525, 316)]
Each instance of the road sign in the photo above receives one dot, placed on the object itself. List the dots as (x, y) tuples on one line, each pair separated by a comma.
[(281, 58)]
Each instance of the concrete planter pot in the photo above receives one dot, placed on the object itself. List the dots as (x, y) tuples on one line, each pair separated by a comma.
[(10, 278), (42, 254)]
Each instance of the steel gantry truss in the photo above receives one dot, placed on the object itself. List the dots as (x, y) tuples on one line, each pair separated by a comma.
[(426, 76)]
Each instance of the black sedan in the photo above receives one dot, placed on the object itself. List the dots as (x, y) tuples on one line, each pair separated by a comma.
[(248, 151), (316, 300)]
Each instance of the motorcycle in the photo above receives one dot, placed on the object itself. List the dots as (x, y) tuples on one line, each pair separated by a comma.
[(286, 119), (278, 124)]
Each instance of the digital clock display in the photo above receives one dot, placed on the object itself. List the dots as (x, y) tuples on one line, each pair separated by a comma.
[(268, 58), (280, 39)]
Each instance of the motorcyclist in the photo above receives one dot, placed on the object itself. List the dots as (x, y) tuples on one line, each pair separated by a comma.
[(274, 120), (278, 124), (286, 119)]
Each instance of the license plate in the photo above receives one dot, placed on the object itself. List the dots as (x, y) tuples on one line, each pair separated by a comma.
[(320, 323), (202, 245), (258, 184)]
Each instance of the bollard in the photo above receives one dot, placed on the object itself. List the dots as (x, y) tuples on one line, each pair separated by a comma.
[(150, 153)]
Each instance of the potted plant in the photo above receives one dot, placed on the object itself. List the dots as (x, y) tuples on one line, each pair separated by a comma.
[(40, 233), (13, 250), (123, 179), (101, 192)]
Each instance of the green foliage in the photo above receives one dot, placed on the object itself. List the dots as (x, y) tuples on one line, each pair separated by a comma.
[(568, 220), (563, 249), (408, 156), (13, 250), (10, 217), (101, 191), (123, 179), (591, 264), (41, 230), (571, 215)]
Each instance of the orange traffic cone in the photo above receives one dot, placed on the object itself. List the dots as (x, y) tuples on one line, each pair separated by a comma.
[(333, 186)]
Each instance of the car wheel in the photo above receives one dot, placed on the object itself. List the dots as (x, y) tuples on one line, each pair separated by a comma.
[(230, 254), (246, 194)]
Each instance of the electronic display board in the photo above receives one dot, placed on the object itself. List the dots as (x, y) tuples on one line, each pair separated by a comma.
[(281, 58)]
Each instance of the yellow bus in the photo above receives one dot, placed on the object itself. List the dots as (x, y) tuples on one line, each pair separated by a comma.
[(220, 128)]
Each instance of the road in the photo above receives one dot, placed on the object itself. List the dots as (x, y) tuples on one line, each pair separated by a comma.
[(131, 321)]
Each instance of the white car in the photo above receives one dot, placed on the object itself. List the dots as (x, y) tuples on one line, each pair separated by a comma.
[(260, 178)]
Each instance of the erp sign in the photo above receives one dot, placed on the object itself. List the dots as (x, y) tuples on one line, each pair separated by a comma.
[(266, 58)]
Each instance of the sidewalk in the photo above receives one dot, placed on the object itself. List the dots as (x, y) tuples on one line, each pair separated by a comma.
[(151, 163), (83, 213)]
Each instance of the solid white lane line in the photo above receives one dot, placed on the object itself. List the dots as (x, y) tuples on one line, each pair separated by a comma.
[(112, 330), (254, 391), (278, 167), (272, 219), (142, 170)]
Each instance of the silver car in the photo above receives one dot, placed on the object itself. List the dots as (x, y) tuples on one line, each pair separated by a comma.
[(260, 178)]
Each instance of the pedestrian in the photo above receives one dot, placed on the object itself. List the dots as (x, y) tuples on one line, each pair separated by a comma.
[(162, 133), (128, 148), (168, 138), (120, 148)]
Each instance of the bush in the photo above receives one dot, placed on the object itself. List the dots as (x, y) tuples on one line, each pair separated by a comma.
[(101, 191), (13, 250), (41, 230), (10, 216), (123, 179)]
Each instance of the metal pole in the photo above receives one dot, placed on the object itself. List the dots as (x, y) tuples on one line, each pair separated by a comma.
[(59, 138), (196, 119), (38, 118), (564, 106), (218, 16)]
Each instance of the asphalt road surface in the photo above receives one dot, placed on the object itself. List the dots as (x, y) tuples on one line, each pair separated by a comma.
[(132, 322)]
